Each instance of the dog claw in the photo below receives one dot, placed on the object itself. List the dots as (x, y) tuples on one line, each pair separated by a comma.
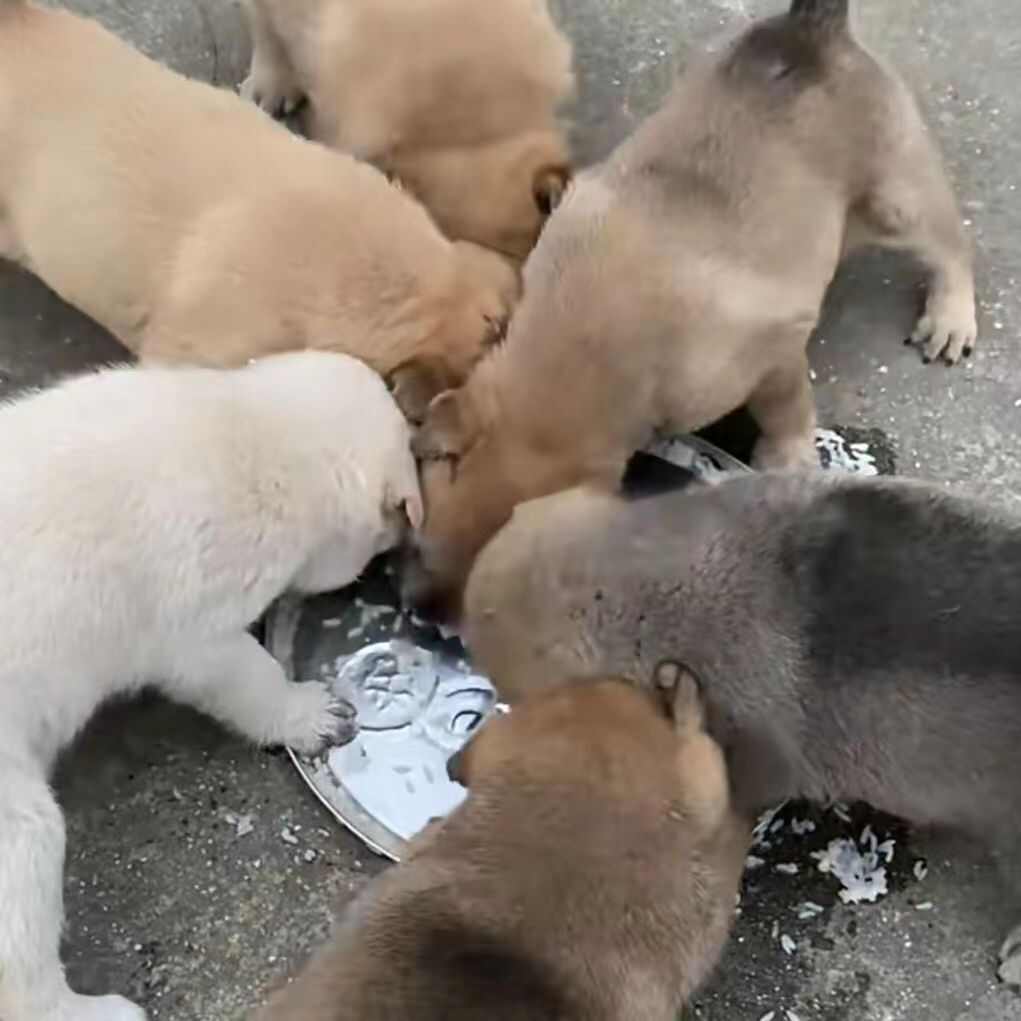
[(317, 718), (946, 332)]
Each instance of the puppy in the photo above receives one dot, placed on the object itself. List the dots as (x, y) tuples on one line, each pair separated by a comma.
[(149, 517), (682, 278), (854, 638), (590, 876), (195, 229), (455, 98)]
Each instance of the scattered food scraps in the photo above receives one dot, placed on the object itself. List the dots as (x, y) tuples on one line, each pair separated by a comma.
[(809, 909), (836, 453), (858, 869)]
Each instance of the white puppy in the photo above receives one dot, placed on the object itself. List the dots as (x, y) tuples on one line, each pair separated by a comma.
[(149, 516)]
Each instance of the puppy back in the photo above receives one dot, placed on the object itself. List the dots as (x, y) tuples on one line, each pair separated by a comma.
[(899, 574), (820, 15)]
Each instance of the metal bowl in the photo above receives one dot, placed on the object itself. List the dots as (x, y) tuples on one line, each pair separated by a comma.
[(417, 698)]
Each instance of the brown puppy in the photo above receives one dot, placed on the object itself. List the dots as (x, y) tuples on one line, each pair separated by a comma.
[(195, 229), (590, 875), (855, 639), (682, 278), (456, 98)]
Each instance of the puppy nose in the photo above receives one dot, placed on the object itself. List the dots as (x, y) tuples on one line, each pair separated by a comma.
[(431, 596)]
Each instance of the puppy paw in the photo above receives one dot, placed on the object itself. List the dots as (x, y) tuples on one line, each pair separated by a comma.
[(315, 717), (1010, 959), (948, 329), (272, 91), (777, 453)]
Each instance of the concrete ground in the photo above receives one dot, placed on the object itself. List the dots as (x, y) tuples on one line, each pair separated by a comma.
[(200, 871)]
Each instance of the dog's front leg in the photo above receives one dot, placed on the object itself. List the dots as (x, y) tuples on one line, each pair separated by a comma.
[(236, 680), (271, 83), (32, 984), (914, 208), (784, 409)]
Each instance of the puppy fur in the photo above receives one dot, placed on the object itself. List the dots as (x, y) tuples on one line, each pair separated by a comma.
[(198, 230), (682, 279), (149, 517), (640, 855), (854, 638), (467, 121)]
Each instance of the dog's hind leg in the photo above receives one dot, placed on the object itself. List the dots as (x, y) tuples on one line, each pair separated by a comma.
[(784, 409), (271, 82), (236, 680), (912, 206), (32, 984)]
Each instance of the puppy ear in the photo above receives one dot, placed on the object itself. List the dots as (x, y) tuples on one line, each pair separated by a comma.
[(449, 427), (548, 186), (414, 511), (402, 492), (682, 697), (413, 385), (700, 764)]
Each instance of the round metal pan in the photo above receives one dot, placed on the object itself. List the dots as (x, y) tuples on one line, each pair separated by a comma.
[(309, 637)]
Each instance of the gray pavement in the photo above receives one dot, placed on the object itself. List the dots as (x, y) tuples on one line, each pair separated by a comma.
[(180, 900)]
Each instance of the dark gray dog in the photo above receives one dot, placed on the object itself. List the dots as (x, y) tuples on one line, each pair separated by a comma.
[(854, 639)]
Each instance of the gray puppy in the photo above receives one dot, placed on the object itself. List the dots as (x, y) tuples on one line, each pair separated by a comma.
[(855, 639)]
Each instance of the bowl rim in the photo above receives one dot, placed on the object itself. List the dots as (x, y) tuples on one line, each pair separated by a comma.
[(281, 627)]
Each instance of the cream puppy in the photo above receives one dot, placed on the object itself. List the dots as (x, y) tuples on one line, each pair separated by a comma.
[(149, 517), (196, 229), (456, 98)]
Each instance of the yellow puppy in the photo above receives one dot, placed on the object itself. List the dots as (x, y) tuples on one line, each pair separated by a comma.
[(456, 98), (195, 229)]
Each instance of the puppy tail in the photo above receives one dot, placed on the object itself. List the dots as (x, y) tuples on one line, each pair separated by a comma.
[(821, 15)]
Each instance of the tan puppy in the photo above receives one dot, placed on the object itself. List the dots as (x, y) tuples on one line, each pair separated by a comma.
[(682, 278), (455, 98), (590, 875), (195, 229)]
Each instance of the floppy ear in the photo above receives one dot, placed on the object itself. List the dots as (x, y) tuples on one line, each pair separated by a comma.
[(449, 428), (682, 698), (414, 511), (413, 385), (403, 494), (700, 764), (548, 186)]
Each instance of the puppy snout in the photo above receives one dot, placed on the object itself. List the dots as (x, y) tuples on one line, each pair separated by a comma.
[(425, 594)]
